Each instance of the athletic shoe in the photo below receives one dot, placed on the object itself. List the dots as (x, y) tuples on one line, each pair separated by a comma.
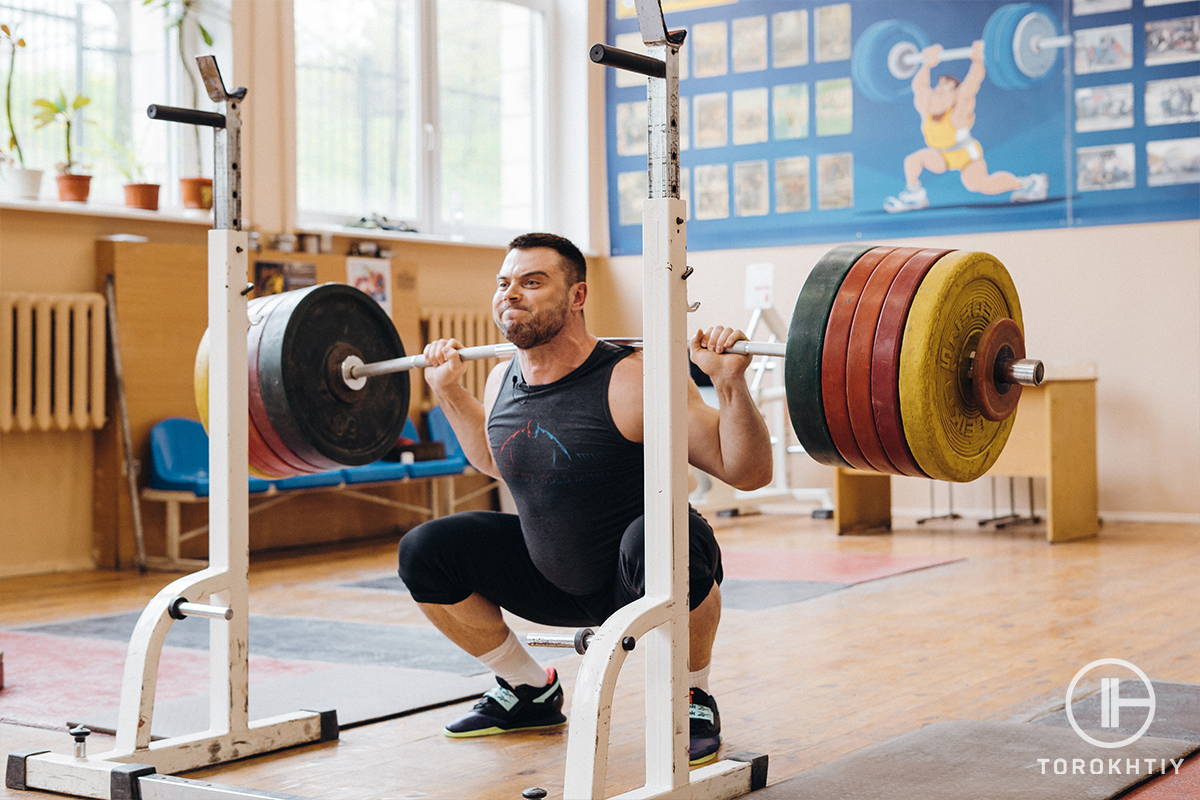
[(506, 709), (907, 200), (705, 727), (1033, 187)]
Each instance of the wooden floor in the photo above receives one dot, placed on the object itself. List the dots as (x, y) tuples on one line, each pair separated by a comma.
[(995, 637)]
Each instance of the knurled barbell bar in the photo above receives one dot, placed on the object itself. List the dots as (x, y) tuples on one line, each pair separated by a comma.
[(1020, 45), (932, 339)]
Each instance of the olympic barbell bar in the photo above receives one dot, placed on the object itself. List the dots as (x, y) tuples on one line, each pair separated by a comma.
[(1021, 44), (1015, 371)]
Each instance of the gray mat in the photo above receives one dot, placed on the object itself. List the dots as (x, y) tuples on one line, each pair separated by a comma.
[(360, 693), (739, 593), (416, 647), (1176, 713), (972, 761)]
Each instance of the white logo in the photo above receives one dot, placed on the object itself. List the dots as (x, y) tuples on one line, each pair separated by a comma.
[(1111, 702)]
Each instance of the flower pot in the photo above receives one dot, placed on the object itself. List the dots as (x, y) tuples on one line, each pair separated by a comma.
[(142, 195), (74, 188), (21, 184), (196, 192)]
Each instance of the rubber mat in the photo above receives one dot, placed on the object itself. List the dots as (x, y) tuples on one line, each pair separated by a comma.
[(841, 568), (1176, 713), (992, 760)]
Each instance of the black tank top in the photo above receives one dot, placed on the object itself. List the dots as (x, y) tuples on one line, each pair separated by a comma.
[(576, 480)]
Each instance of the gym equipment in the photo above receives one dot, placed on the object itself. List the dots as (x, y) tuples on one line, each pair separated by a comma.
[(317, 404), (959, 298), (1020, 46), (893, 316), (220, 591)]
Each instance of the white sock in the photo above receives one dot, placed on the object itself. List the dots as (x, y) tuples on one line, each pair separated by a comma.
[(512, 662), (699, 679)]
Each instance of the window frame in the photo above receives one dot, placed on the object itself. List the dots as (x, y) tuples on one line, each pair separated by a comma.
[(426, 134)]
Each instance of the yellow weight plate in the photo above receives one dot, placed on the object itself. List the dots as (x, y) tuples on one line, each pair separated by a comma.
[(200, 386), (945, 429)]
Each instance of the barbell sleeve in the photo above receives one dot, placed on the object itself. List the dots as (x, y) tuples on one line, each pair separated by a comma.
[(626, 60), (1023, 371)]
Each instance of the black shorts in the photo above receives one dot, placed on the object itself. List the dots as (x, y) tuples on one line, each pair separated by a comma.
[(446, 560)]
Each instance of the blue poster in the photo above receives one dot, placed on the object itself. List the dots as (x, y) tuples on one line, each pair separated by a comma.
[(806, 122)]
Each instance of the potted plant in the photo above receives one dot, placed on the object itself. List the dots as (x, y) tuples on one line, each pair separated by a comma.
[(22, 182), (138, 192), (72, 187), (195, 191)]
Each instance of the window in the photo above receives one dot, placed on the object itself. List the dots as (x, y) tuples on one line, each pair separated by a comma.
[(429, 112), (122, 55)]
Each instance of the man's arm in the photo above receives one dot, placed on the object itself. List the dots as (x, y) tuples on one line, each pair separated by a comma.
[(922, 90), (731, 442), (964, 106), (466, 415)]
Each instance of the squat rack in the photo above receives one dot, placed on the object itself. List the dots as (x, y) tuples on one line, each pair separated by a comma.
[(659, 620)]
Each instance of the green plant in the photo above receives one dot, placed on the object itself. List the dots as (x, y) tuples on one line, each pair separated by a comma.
[(180, 17), (13, 44), (125, 158), (50, 111)]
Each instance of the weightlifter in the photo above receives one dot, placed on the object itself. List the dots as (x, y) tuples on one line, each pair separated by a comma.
[(947, 112), (561, 424)]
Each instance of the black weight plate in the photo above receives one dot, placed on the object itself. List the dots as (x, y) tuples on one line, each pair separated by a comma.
[(806, 342), (298, 376)]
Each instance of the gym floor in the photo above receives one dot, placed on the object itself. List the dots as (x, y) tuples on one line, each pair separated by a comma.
[(996, 636)]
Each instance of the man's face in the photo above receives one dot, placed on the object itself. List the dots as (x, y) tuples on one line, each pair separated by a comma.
[(533, 298), (944, 95)]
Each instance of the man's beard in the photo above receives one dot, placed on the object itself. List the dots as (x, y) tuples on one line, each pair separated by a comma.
[(536, 329)]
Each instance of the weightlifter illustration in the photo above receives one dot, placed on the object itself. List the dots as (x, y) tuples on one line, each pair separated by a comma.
[(947, 110)]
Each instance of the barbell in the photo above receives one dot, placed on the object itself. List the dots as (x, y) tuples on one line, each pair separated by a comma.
[(1020, 45), (898, 359)]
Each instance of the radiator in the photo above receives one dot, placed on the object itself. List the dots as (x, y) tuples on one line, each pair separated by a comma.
[(470, 327), (52, 361)]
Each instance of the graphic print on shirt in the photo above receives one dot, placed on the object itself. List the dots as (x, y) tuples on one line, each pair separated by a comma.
[(534, 432)]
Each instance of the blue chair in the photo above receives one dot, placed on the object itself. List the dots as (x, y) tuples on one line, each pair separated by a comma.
[(440, 431), (179, 458), (383, 470)]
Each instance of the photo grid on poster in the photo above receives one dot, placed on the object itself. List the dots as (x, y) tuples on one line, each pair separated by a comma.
[(775, 122)]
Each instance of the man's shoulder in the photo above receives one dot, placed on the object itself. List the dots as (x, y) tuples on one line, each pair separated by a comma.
[(628, 371)]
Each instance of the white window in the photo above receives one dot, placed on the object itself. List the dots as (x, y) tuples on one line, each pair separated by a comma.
[(429, 113), (123, 55)]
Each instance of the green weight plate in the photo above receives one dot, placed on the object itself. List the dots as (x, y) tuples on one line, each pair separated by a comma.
[(806, 341)]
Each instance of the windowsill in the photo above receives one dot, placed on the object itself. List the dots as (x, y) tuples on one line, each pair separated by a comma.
[(197, 217), (410, 236), (397, 236)]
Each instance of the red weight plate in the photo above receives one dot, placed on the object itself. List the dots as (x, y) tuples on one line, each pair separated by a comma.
[(859, 350), (833, 356), (1001, 339), (260, 312), (885, 361)]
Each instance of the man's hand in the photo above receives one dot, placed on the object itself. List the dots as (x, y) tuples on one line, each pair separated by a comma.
[(708, 350), (977, 51), (446, 366), (931, 56)]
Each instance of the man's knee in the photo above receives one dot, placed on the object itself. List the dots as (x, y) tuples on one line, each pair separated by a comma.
[(427, 556), (704, 558)]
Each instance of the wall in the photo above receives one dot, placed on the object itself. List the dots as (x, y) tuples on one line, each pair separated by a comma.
[(1124, 297)]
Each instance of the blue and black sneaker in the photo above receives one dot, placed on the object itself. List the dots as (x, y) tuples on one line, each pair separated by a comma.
[(705, 727), (507, 709)]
